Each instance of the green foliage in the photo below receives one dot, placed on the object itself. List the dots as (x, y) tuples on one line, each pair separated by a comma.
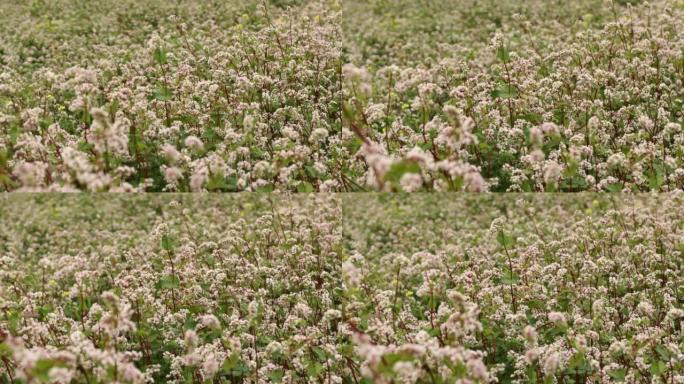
[(397, 170), (168, 282), (160, 56), (163, 93), (505, 91)]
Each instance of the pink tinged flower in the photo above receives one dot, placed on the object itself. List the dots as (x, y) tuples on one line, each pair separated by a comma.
[(172, 175), (210, 366), (531, 355), (557, 318), (411, 182), (60, 375), (530, 334), (198, 179), (552, 171), (131, 374), (193, 142), (550, 128), (210, 321), (477, 369), (190, 340), (351, 273), (551, 363), (474, 182), (170, 153)]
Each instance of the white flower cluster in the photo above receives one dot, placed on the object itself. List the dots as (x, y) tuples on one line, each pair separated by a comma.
[(383, 288), (391, 95), (518, 97), (193, 290), (144, 102), (522, 289)]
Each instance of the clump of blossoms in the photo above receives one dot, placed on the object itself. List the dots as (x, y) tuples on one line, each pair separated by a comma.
[(174, 289), (342, 289), (516, 97), (305, 96), (412, 350), (157, 96), (521, 289)]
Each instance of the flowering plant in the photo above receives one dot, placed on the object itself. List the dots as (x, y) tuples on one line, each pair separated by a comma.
[(342, 289)]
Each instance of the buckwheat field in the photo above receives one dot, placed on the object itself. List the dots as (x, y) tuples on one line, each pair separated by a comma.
[(342, 289), (347, 125), (342, 96)]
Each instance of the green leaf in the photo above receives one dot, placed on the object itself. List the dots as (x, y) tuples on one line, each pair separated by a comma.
[(217, 182), (42, 368), (348, 111), (656, 178), (354, 145), (509, 278), (505, 91), (234, 366), (314, 369), (618, 374), (305, 187), (159, 56), (531, 374), (575, 183), (505, 240), (168, 282), (663, 352), (230, 362), (658, 368), (570, 169), (397, 170), (14, 133), (43, 312), (615, 187), (162, 93), (166, 242), (390, 359), (311, 171), (265, 188), (5, 350), (276, 376), (320, 353), (578, 362), (6, 181), (210, 136), (84, 146), (503, 54)]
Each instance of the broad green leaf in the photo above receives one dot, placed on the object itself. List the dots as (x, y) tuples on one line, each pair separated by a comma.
[(618, 374), (656, 177), (397, 170), (166, 242), (503, 54), (168, 282), (509, 278), (159, 56), (305, 187), (615, 187), (505, 91), (658, 368), (276, 376), (163, 93), (505, 240)]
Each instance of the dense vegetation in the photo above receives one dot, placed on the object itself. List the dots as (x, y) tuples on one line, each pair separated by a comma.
[(342, 96), (361, 288)]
